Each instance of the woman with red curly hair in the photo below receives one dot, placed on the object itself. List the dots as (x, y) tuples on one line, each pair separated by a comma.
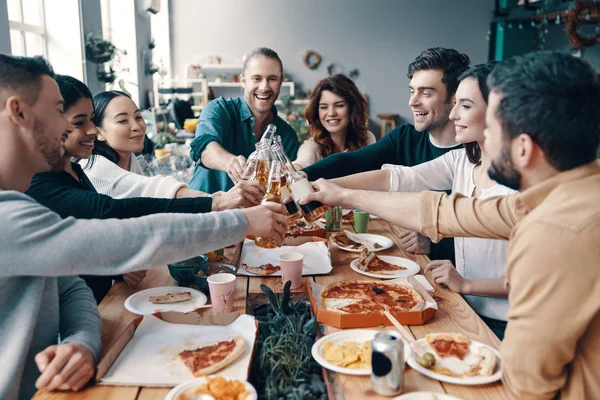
[(337, 121)]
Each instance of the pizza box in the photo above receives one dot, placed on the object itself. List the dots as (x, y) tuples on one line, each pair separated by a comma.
[(146, 352), (344, 320)]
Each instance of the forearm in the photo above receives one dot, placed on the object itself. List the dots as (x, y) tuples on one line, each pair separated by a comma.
[(371, 180), (216, 157), (486, 287), (401, 209), (186, 192)]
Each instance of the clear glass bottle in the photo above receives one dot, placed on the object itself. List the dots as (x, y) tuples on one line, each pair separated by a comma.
[(272, 195), (257, 164), (286, 177), (300, 188)]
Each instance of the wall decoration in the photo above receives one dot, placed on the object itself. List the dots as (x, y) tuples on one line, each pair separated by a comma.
[(354, 74), (575, 38), (311, 59), (333, 69)]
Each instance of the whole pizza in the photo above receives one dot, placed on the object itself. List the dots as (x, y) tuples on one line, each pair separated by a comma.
[(364, 297)]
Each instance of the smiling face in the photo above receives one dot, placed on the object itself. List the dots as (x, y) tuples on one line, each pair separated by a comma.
[(82, 130), (123, 127), (469, 111), (428, 100), (334, 112), (261, 81)]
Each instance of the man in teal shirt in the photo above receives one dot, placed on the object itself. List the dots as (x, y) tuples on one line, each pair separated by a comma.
[(228, 129)]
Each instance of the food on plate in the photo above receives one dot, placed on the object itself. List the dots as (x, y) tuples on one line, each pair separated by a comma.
[(263, 270), (372, 297), (213, 357), (445, 371), (485, 364), (214, 256), (342, 240), (353, 355), (299, 227), (170, 298), (449, 344), (349, 217), (220, 388), (427, 360), (369, 261)]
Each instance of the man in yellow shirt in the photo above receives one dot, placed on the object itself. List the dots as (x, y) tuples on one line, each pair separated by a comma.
[(543, 134)]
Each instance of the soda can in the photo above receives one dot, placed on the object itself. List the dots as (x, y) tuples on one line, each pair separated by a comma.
[(333, 219), (387, 363)]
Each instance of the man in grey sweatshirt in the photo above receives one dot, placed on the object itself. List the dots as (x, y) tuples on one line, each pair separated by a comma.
[(41, 296)]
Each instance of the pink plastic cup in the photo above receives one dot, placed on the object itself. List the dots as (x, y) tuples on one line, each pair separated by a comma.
[(291, 268), (222, 288)]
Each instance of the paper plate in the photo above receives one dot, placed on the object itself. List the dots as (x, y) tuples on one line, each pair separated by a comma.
[(426, 396), (350, 335), (138, 303), (383, 241), (192, 384), (456, 365), (412, 268)]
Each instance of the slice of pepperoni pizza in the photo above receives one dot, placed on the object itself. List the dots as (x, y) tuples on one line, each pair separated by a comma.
[(213, 357), (449, 344)]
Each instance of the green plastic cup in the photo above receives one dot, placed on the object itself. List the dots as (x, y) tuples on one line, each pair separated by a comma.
[(361, 221)]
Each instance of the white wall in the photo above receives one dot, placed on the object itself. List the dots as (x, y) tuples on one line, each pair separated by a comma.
[(4, 29), (379, 37)]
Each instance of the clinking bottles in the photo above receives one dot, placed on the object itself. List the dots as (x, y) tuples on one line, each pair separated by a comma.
[(260, 153), (300, 188), (272, 195), (286, 178)]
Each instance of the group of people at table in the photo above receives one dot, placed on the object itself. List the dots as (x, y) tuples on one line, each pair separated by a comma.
[(501, 156)]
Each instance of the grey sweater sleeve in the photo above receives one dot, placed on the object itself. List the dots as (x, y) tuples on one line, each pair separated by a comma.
[(35, 241), (79, 317)]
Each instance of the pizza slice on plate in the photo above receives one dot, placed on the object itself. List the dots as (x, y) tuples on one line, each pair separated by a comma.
[(170, 298), (342, 240), (263, 270), (213, 357), (449, 344), (368, 261)]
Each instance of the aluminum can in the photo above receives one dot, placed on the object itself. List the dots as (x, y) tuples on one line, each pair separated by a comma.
[(333, 219), (387, 362)]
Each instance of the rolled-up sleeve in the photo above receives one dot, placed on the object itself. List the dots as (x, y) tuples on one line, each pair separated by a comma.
[(213, 126), (443, 216)]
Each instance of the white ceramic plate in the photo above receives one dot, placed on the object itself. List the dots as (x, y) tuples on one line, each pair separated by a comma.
[(456, 365), (383, 241), (412, 268), (350, 335), (426, 396), (194, 383), (138, 303)]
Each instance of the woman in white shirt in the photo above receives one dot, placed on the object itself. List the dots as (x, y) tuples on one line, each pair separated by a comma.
[(479, 273), (115, 171), (337, 121)]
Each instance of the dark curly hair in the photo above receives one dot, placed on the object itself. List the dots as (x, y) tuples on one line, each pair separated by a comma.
[(344, 87)]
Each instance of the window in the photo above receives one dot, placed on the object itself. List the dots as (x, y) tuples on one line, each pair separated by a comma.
[(27, 27)]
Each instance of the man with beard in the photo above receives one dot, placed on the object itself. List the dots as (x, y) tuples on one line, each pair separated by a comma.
[(228, 129), (433, 81), (542, 133), (42, 299)]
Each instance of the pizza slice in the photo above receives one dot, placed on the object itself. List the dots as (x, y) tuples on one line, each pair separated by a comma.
[(485, 364), (362, 306), (170, 298), (263, 270), (213, 357), (449, 344), (342, 240), (368, 261)]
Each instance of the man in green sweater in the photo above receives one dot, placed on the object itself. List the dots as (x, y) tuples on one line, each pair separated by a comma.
[(433, 81), (228, 129)]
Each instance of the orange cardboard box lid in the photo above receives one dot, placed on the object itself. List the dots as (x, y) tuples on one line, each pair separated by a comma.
[(344, 320)]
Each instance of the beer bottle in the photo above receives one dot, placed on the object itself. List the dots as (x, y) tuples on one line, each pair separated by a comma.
[(286, 178), (272, 195), (252, 160)]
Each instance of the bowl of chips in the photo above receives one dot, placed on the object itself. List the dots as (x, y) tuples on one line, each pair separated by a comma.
[(185, 271), (219, 387)]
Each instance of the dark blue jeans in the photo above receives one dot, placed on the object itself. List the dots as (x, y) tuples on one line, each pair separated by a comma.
[(497, 326)]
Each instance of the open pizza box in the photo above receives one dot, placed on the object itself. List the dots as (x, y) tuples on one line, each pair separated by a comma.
[(146, 352), (344, 320)]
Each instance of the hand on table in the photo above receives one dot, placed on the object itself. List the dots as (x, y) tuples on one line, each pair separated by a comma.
[(415, 243), (134, 278), (444, 273), (267, 220), (243, 194), (67, 366), (236, 167)]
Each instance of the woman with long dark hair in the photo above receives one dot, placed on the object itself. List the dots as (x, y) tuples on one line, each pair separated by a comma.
[(337, 120), (115, 171)]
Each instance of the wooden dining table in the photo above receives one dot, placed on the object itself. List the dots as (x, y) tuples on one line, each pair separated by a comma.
[(453, 315)]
